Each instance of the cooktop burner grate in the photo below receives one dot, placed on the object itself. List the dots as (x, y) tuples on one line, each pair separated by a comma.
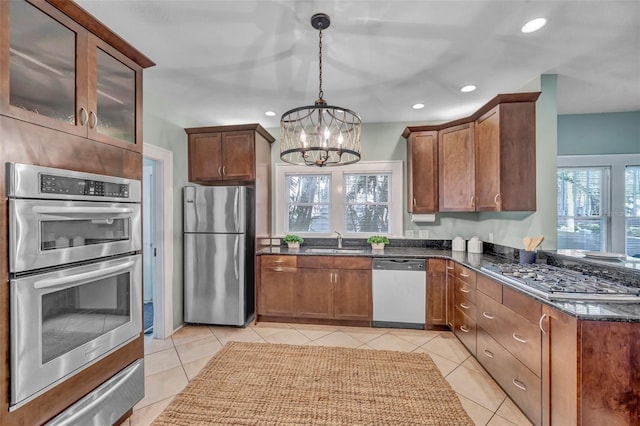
[(561, 284)]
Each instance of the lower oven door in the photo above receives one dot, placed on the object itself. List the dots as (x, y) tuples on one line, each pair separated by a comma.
[(49, 233), (62, 321)]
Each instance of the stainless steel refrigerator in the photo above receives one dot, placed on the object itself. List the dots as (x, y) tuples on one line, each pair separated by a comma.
[(219, 250)]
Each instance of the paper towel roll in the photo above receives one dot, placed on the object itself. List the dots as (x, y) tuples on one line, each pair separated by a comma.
[(423, 217)]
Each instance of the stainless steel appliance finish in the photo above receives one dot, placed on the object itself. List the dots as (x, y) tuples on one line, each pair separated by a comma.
[(75, 278), (219, 255), (399, 292), (555, 283), (64, 319), (60, 216), (118, 394)]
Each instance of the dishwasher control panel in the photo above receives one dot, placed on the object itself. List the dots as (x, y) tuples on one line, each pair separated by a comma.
[(399, 264)]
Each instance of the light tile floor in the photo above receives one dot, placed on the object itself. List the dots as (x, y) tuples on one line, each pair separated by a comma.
[(172, 362)]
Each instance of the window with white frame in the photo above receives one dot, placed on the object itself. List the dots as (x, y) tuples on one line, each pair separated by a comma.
[(357, 200), (632, 210), (582, 208)]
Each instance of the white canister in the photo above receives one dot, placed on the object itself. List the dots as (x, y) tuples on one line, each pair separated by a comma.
[(474, 245), (458, 244)]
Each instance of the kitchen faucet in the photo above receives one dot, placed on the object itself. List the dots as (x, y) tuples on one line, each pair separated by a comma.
[(339, 239)]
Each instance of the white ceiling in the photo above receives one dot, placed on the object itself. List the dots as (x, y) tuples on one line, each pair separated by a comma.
[(227, 62)]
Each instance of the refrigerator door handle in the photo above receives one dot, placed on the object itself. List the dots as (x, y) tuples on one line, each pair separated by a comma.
[(235, 209), (236, 263)]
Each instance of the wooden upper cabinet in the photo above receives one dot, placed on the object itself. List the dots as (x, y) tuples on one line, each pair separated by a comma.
[(505, 142), (228, 154), (57, 74), (456, 168), (422, 172)]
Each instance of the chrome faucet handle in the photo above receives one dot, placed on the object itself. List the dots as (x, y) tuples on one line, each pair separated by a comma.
[(339, 239)]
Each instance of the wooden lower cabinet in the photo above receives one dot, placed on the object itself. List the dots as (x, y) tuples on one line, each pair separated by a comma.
[(328, 289), (451, 286), (436, 292)]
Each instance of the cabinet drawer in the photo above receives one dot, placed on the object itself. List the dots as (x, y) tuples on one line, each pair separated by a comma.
[(490, 287), (465, 292), (316, 262), (271, 261), (465, 330), (351, 262), (468, 308), (436, 265), (465, 274), (519, 336), (524, 388), (521, 304)]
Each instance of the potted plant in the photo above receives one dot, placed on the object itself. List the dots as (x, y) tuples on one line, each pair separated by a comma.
[(293, 241), (377, 242)]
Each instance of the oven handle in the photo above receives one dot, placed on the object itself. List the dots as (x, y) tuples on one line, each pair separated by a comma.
[(54, 282), (81, 210)]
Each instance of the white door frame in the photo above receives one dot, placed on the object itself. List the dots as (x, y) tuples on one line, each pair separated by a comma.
[(163, 287)]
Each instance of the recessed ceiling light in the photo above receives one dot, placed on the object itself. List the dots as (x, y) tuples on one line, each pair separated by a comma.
[(270, 114), (418, 106), (533, 25), (468, 88)]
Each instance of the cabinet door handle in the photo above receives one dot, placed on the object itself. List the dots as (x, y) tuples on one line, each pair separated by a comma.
[(224, 170), (496, 199), (473, 201), (414, 202), (220, 171), (464, 328), (519, 384), (488, 353), (93, 119), (540, 323), (84, 116), (464, 290), (488, 315), (464, 306), (519, 338)]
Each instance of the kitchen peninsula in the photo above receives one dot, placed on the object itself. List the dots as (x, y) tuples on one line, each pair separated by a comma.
[(548, 355)]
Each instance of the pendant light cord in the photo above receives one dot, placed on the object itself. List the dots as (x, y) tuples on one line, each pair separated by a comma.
[(320, 92)]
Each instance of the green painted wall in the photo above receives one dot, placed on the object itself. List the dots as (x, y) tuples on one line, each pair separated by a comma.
[(595, 134)]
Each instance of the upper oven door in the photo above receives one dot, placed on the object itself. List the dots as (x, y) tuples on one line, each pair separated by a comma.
[(45, 233)]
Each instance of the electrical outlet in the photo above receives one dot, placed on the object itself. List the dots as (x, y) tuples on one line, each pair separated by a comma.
[(490, 237), (408, 233), (424, 234)]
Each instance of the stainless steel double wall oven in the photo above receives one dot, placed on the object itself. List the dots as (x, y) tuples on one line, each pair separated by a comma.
[(75, 273)]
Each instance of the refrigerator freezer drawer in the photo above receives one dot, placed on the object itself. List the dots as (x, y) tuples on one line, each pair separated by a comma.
[(214, 285)]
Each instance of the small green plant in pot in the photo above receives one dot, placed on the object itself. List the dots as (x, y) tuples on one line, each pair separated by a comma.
[(293, 241), (377, 242)]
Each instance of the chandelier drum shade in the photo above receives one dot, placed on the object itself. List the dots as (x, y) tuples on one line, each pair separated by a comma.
[(320, 134)]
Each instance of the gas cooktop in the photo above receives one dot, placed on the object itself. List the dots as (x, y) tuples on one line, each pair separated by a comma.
[(555, 283)]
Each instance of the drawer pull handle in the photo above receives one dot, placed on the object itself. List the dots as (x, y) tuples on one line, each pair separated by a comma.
[(487, 315), (540, 323), (519, 338), (488, 353), (277, 269), (464, 290), (464, 328), (278, 261), (462, 274), (450, 267), (464, 306), (519, 384)]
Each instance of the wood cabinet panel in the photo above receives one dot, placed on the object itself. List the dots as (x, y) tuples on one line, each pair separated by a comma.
[(522, 304), (465, 330), (277, 290), (456, 164), (491, 288), (436, 292), (228, 155), (316, 262), (465, 274), (352, 295), (314, 293), (205, 157), (352, 262), (451, 288), (278, 260), (464, 292), (422, 172), (516, 334), (524, 387), (487, 145)]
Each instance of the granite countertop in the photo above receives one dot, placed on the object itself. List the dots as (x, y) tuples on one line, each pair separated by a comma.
[(588, 310)]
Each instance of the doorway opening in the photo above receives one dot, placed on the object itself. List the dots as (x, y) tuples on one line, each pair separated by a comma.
[(157, 239)]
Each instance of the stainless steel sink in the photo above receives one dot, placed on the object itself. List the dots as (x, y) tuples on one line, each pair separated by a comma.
[(334, 251)]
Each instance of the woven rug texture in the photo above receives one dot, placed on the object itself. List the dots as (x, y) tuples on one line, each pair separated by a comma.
[(269, 384)]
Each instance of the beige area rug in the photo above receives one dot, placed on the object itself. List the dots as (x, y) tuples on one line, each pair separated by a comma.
[(268, 384)]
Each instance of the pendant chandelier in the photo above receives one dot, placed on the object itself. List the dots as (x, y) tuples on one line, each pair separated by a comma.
[(320, 134)]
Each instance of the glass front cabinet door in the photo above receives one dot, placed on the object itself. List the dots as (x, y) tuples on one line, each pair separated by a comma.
[(56, 74)]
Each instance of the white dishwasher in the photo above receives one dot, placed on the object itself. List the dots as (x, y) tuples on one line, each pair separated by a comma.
[(399, 292)]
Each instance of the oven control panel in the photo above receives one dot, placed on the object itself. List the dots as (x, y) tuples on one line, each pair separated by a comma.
[(51, 184)]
